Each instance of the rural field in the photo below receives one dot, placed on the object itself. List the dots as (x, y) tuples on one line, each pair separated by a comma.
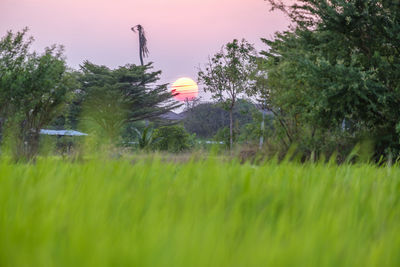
[(198, 213)]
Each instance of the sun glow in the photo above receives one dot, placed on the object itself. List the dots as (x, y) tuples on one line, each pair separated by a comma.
[(185, 89)]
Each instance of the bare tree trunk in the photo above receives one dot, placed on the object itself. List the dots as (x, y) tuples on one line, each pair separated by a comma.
[(33, 145), (26, 145), (140, 51), (262, 130), (143, 51), (1, 130), (231, 128)]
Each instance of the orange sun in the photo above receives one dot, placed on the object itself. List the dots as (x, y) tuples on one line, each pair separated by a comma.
[(185, 89)]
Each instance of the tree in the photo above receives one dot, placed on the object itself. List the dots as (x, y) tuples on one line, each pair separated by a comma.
[(143, 50), (33, 90), (336, 71), (113, 98), (227, 75)]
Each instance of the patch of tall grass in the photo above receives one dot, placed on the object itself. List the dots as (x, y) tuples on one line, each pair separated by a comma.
[(199, 213)]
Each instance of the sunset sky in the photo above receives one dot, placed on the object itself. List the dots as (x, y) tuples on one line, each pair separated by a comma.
[(181, 33)]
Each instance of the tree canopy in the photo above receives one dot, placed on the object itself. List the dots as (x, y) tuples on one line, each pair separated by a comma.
[(114, 97), (227, 75), (337, 70), (33, 90)]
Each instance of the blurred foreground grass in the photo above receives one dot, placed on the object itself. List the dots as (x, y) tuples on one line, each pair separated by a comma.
[(199, 213)]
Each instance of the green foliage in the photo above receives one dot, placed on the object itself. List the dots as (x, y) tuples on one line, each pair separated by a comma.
[(145, 138), (227, 75), (248, 130), (113, 98), (337, 66), (201, 213), (33, 91), (137, 86), (251, 132), (172, 139), (129, 133), (223, 135)]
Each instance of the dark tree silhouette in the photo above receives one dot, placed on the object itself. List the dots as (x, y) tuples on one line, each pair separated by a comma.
[(143, 51)]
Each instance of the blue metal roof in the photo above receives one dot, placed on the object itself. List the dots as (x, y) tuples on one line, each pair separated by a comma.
[(62, 132)]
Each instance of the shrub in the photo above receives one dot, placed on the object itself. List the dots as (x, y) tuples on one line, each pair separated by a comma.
[(172, 139), (144, 138)]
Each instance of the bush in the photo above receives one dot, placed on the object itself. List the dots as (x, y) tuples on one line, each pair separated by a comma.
[(144, 138), (172, 139)]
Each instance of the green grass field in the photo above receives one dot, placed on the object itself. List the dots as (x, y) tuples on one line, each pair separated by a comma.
[(200, 213)]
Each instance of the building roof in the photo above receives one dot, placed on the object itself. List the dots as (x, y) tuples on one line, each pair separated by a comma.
[(62, 132)]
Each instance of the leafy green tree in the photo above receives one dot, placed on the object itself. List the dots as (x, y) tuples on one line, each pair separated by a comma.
[(113, 98), (227, 75), (33, 90), (336, 71)]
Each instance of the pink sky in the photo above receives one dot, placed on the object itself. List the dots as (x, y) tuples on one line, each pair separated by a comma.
[(181, 33)]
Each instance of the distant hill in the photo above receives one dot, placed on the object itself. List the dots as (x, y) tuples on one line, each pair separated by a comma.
[(206, 119), (172, 116)]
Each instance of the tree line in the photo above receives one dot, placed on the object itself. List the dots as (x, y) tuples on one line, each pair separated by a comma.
[(331, 80), (37, 90), (333, 77)]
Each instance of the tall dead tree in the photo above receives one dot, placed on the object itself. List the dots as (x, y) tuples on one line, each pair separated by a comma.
[(143, 51)]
